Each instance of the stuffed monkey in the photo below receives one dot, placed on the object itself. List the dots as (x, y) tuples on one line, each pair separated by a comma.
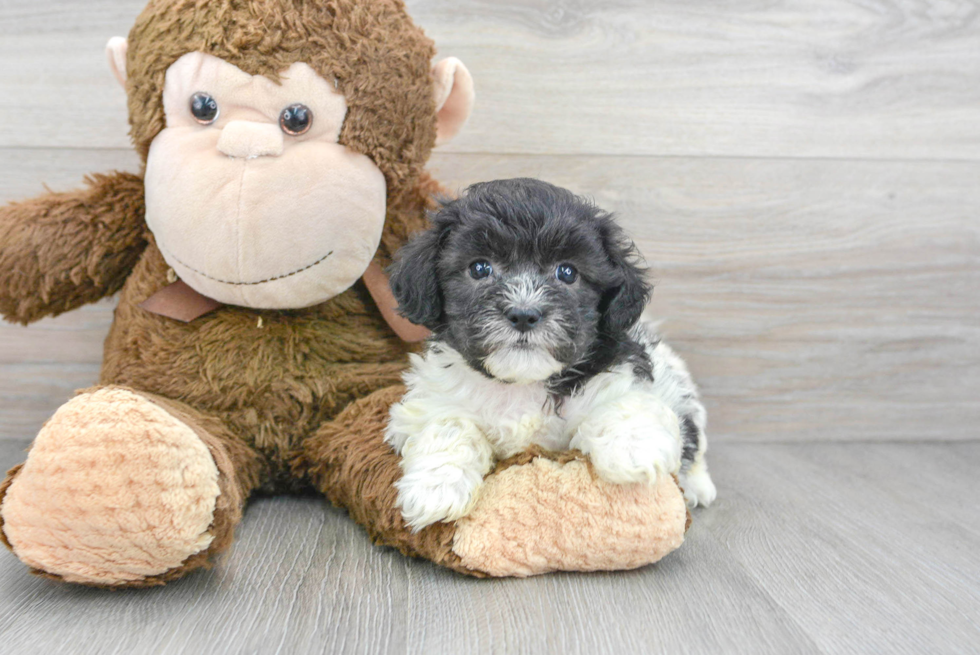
[(255, 346)]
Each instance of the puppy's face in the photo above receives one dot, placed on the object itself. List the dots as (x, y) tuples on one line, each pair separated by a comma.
[(522, 303), (522, 278)]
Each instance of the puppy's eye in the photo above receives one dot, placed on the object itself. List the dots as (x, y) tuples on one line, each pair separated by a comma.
[(204, 108), (296, 119), (480, 270), (566, 273)]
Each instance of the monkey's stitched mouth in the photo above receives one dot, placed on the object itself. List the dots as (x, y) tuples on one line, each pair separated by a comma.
[(249, 284)]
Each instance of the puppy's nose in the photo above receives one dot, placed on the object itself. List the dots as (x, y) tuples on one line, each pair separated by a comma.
[(523, 320), (248, 140)]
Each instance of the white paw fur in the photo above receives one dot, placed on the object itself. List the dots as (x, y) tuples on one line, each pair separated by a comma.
[(446, 493), (697, 484), (454, 422), (443, 465), (635, 439)]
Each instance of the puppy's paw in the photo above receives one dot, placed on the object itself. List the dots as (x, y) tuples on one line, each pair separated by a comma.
[(634, 440), (636, 457), (446, 493), (698, 486)]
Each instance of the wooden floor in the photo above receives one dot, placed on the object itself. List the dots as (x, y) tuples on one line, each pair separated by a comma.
[(804, 178), (811, 548)]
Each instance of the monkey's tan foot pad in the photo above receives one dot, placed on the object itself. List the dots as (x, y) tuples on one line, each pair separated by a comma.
[(114, 490), (547, 516)]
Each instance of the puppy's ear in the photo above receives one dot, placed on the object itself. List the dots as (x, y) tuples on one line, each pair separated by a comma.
[(623, 304), (414, 280)]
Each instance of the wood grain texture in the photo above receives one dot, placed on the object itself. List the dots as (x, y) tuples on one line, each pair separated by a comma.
[(687, 603), (791, 78), (813, 299), (311, 583), (794, 558), (802, 177), (859, 569)]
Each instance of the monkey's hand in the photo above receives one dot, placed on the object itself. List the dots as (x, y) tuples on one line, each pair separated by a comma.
[(60, 251)]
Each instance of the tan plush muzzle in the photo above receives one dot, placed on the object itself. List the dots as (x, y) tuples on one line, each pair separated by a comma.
[(276, 220)]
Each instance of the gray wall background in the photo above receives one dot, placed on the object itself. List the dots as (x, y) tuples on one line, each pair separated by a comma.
[(804, 177)]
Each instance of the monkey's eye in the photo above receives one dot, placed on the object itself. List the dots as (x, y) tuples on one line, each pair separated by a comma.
[(296, 119), (480, 270), (204, 108), (566, 273)]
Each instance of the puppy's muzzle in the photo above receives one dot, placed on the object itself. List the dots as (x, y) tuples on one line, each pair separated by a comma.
[(523, 319)]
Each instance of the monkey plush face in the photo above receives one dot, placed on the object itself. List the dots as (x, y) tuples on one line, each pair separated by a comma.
[(249, 195), (279, 135)]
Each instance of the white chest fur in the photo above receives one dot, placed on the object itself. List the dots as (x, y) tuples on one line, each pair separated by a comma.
[(511, 417), (453, 422)]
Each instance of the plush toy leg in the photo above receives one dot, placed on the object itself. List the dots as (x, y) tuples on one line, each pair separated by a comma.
[(122, 488), (348, 460), (537, 512)]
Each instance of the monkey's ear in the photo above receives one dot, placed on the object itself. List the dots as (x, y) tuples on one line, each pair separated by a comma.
[(414, 280), (454, 98), (115, 52)]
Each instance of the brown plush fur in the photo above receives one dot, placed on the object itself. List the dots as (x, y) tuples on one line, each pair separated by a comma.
[(63, 250), (260, 391), (277, 384), (380, 59), (254, 384), (281, 398), (272, 385), (11, 474), (349, 461)]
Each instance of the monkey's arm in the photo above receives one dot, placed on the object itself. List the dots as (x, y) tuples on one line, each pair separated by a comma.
[(62, 250)]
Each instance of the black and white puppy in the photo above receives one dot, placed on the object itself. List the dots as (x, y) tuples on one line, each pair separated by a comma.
[(534, 297)]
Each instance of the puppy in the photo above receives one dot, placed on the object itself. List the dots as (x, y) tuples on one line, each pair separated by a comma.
[(534, 296)]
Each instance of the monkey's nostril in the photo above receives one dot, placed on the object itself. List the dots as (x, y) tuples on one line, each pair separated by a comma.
[(523, 320)]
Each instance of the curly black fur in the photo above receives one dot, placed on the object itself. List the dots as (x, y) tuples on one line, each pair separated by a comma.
[(525, 228)]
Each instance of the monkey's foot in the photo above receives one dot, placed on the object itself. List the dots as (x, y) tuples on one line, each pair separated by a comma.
[(116, 491), (548, 512), (537, 512)]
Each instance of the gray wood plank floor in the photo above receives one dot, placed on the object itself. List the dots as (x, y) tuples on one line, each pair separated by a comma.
[(801, 176), (794, 558)]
